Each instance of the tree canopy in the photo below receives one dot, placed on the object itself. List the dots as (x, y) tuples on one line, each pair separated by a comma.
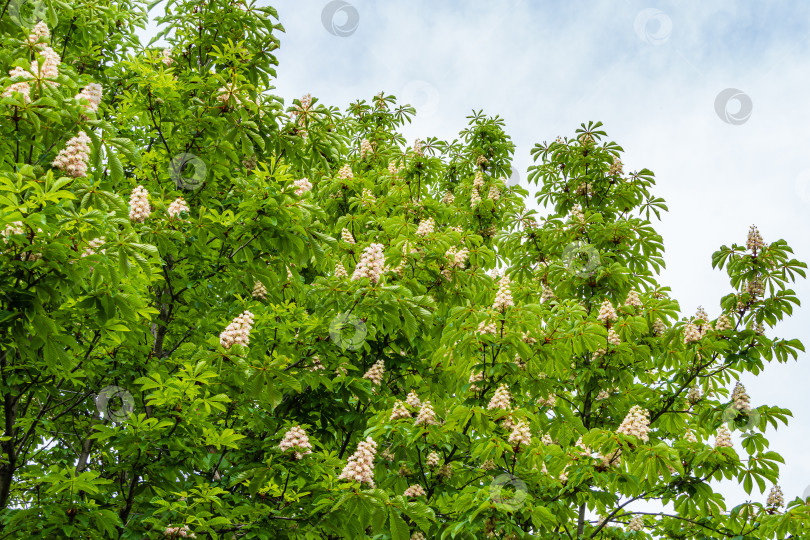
[(224, 316)]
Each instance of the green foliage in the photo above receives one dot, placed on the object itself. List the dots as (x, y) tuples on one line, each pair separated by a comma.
[(130, 412)]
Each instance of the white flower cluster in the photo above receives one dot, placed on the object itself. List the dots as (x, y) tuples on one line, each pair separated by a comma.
[(741, 399), (723, 324), (521, 434), (316, 364), (487, 328), (73, 158), (577, 215), (694, 395), (659, 327), (296, 439), (93, 245), (550, 401), (426, 227), (636, 522), (691, 334), (488, 465), (494, 193), (92, 93), (775, 497), (340, 272), (302, 186), (179, 532), (475, 198), (616, 167), (139, 208), (365, 148), (415, 490), (448, 198), (418, 536), (636, 423), (457, 259), (613, 338), (548, 294), (367, 197), (413, 400), (546, 439), (346, 235), (603, 395), (633, 299), (426, 415), (723, 438), (432, 460), (375, 373), (166, 56), (607, 313), (360, 465), (400, 411), (503, 298), (225, 93), (259, 290), (371, 264), (177, 207), (238, 331), (478, 182), (690, 437), (501, 400), (754, 241), (345, 172), (417, 148), (22, 87), (40, 30), (475, 377)]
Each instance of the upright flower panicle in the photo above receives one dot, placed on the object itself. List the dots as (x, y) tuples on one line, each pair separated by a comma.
[(74, 157), (741, 399), (413, 400), (371, 265), (177, 207), (415, 490), (365, 148), (139, 208), (521, 434), (400, 411), (296, 439), (346, 235), (345, 172), (360, 467), (92, 93), (636, 423), (302, 186), (426, 227), (340, 271), (39, 31), (633, 300), (375, 373), (775, 497), (501, 400), (607, 313), (723, 438), (238, 331), (503, 298), (259, 291), (93, 246), (754, 241), (426, 415)]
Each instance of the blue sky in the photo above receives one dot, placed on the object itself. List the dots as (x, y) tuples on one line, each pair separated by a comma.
[(651, 71)]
